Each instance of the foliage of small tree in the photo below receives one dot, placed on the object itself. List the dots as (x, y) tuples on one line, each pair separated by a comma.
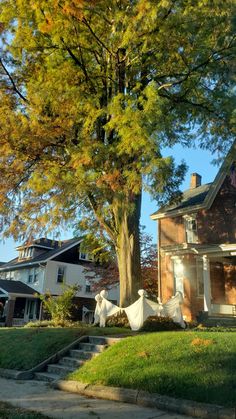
[(91, 93), (60, 307)]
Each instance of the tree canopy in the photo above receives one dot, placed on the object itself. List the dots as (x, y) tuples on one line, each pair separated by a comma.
[(91, 92)]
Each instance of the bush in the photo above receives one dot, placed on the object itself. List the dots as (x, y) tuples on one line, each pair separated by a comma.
[(158, 324), (60, 307), (118, 320)]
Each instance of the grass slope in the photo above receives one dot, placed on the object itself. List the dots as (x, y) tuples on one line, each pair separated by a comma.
[(23, 348), (197, 366)]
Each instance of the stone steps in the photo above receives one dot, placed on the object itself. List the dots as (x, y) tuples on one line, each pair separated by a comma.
[(90, 347)]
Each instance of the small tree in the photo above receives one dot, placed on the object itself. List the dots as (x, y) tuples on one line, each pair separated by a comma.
[(60, 307)]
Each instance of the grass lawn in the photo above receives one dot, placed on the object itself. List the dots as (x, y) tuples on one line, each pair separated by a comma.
[(24, 348), (193, 365), (9, 412)]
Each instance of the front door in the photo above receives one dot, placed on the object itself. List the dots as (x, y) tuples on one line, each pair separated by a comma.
[(30, 310)]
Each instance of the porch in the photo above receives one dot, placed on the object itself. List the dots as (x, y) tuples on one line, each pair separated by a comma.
[(19, 304), (219, 284)]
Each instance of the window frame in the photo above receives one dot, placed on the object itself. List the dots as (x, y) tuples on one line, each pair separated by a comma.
[(191, 234), (59, 267)]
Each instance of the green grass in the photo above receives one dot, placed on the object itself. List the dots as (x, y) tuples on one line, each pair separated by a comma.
[(23, 348), (193, 365), (9, 412)]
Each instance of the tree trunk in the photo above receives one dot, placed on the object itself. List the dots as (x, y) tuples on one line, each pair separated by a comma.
[(128, 252)]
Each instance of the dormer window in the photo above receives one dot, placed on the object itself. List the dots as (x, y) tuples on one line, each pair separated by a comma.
[(191, 229), (26, 253)]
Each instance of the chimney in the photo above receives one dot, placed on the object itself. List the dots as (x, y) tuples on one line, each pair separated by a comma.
[(195, 181)]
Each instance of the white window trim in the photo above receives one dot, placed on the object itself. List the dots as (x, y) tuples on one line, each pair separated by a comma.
[(64, 276), (189, 232)]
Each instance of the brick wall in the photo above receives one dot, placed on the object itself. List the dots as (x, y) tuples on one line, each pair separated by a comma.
[(172, 231), (218, 224)]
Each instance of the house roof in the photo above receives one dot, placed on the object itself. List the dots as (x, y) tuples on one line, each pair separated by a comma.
[(42, 242), (16, 287), (42, 258), (200, 197)]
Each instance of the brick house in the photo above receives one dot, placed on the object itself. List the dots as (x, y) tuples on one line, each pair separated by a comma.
[(44, 265), (197, 245)]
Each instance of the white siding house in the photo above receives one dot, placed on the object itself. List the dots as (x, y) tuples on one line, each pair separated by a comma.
[(43, 266)]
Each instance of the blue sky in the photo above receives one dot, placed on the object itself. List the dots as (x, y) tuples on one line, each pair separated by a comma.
[(197, 160)]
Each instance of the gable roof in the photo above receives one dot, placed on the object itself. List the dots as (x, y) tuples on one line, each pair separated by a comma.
[(200, 197), (16, 287), (42, 258)]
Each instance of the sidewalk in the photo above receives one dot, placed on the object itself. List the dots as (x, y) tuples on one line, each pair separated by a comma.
[(39, 396)]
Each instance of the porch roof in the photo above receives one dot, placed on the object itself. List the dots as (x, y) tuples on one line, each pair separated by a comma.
[(16, 288), (214, 250)]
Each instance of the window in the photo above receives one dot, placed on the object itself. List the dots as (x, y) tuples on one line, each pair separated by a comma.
[(191, 229), (31, 278), (27, 252), (85, 256), (200, 283), (87, 288), (61, 274), (82, 255)]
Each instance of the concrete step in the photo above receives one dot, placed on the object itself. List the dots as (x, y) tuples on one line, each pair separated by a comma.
[(103, 340), (80, 354), (60, 370), (91, 347), (45, 376), (71, 362)]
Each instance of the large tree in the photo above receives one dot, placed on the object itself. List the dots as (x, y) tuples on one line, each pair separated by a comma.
[(91, 92)]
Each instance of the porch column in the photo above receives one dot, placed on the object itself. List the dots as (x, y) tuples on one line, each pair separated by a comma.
[(206, 284), (10, 311)]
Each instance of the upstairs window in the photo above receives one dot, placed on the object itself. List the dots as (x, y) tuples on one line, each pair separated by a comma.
[(84, 255), (88, 288), (191, 229), (33, 276), (61, 274), (26, 253)]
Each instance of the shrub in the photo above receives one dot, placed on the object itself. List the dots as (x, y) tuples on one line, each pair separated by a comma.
[(118, 320), (60, 307), (158, 324)]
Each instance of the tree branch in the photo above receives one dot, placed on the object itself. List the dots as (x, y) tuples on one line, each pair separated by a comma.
[(99, 217), (13, 83)]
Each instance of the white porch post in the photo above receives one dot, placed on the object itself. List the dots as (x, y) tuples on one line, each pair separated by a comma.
[(206, 284)]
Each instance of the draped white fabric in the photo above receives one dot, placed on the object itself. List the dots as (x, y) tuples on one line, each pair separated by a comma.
[(104, 309), (139, 311), (173, 310)]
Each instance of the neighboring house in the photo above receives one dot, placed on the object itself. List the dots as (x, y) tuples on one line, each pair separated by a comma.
[(45, 265), (197, 245)]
